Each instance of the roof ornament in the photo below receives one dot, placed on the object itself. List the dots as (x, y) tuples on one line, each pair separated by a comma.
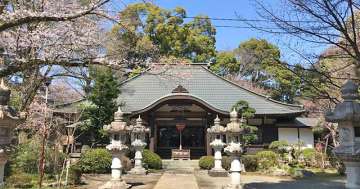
[(180, 89)]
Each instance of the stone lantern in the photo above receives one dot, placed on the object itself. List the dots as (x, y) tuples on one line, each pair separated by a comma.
[(8, 121), (347, 115), (118, 132), (234, 132), (216, 133), (138, 133)]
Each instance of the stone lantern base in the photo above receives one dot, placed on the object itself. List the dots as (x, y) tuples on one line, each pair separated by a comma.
[(218, 173), (115, 184), (138, 171)]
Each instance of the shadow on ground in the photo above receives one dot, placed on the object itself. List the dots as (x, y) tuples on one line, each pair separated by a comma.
[(298, 184)]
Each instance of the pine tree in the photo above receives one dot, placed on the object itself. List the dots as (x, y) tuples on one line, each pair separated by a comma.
[(103, 97)]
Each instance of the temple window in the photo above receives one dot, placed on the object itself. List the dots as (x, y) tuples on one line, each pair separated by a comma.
[(357, 132)]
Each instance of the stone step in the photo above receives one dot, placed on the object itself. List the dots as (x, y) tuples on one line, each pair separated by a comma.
[(186, 165)]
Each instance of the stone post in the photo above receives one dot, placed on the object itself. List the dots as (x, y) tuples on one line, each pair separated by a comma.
[(234, 131), (347, 115), (118, 131), (217, 144), (138, 137)]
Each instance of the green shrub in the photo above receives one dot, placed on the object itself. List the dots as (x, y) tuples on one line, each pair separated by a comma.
[(95, 161), (226, 162), (151, 159), (25, 158), (309, 155), (126, 163), (206, 162), (266, 159), (74, 175), (279, 146), (250, 162), (20, 180)]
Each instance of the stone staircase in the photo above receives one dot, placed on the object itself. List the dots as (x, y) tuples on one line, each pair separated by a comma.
[(180, 166)]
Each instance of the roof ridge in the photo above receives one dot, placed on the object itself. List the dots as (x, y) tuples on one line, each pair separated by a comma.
[(261, 95)]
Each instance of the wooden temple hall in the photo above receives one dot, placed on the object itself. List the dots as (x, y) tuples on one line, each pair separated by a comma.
[(189, 97)]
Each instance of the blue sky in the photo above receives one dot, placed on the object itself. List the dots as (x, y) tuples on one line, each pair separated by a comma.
[(230, 38)]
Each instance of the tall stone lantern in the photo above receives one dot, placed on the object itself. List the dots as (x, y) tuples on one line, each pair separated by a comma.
[(138, 133), (234, 132), (216, 133), (119, 133), (8, 121), (347, 115)]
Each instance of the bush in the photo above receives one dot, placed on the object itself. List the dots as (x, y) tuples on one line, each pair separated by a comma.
[(226, 162), (95, 161), (309, 156), (74, 174), (206, 162), (279, 146), (20, 180), (250, 162), (25, 158), (126, 163), (151, 160), (266, 159)]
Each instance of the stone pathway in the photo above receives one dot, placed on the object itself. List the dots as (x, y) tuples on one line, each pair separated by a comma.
[(177, 181)]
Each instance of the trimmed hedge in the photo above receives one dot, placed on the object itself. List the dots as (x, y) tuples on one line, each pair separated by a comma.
[(206, 162), (266, 159), (152, 160), (249, 161), (95, 161)]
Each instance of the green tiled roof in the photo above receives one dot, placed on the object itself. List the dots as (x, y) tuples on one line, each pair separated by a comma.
[(148, 88)]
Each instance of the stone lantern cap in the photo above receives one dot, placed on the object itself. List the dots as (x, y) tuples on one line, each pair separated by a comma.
[(118, 125), (139, 127), (235, 126), (349, 109), (216, 128)]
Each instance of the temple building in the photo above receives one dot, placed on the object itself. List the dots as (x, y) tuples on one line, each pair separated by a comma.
[(192, 96)]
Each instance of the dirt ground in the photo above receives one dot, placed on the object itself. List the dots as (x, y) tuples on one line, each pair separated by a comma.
[(204, 181), (136, 181), (255, 181)]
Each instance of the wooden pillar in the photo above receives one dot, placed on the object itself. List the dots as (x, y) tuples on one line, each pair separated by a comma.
[(151, 119), (209, 121)]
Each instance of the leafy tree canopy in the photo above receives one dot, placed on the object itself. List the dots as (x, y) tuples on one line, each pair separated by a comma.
[(258, 61), (147, 30)]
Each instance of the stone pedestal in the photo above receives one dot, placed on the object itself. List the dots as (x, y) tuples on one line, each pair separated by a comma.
[(116, 181), (218, 170), (138, 167), (353, 175)]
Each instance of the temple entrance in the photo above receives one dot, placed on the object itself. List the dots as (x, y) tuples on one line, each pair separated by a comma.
[(193, 138)]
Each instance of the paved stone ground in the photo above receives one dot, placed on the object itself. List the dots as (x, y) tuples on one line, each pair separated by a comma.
[(171, 180), (253, 181)]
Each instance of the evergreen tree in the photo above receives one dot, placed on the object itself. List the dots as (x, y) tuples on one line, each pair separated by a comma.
[(100, 112)]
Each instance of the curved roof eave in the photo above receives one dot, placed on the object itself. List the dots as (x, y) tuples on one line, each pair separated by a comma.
[(178, 96)]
